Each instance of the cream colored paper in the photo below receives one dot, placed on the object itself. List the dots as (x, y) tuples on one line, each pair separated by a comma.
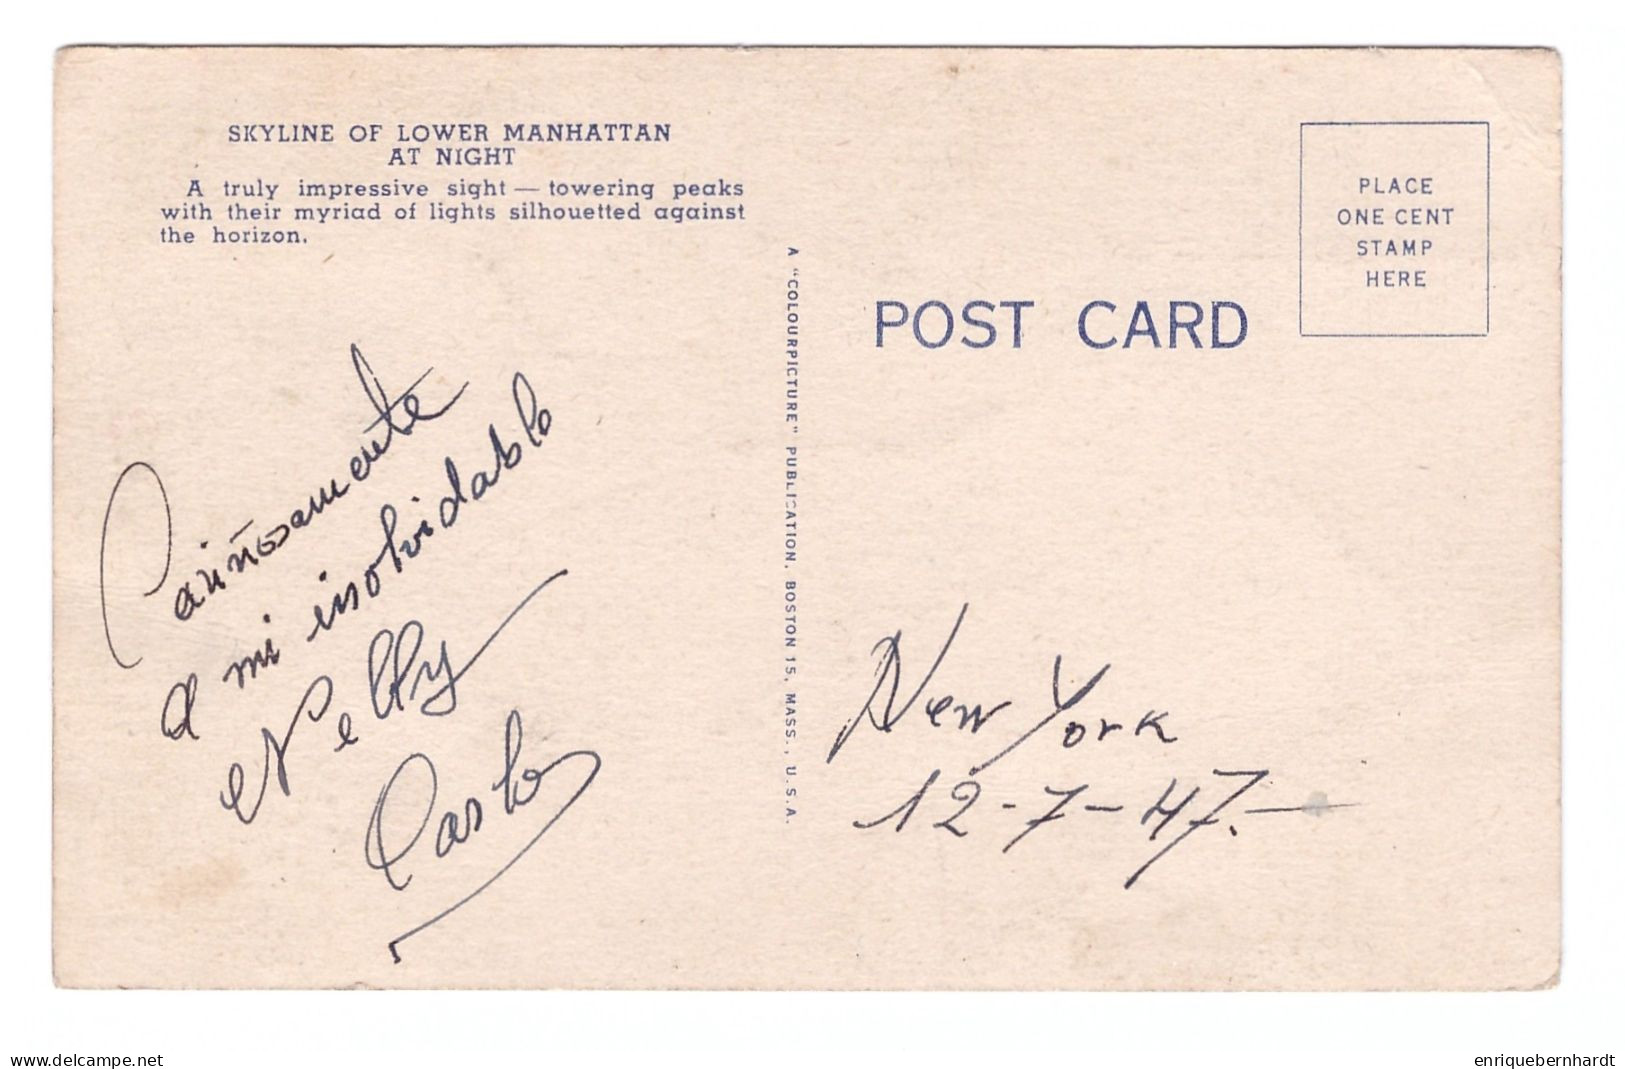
[(706, 538)]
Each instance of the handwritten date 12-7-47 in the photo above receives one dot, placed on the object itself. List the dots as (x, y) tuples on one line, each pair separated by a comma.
[(1172, 816)]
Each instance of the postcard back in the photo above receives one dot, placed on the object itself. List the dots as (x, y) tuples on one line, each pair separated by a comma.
[(815, 518)]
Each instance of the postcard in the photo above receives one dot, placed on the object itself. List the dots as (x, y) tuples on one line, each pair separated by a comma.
[(807, 518)]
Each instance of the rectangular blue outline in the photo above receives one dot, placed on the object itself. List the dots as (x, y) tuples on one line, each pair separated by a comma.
[(1401, 122)]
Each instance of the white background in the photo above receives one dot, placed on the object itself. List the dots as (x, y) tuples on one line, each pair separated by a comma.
[(1584, 1014)]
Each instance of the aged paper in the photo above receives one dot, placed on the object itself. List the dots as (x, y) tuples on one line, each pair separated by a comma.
[(807, 518)]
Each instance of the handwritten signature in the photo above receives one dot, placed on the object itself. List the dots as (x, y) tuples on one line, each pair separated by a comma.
[(406, 670)]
